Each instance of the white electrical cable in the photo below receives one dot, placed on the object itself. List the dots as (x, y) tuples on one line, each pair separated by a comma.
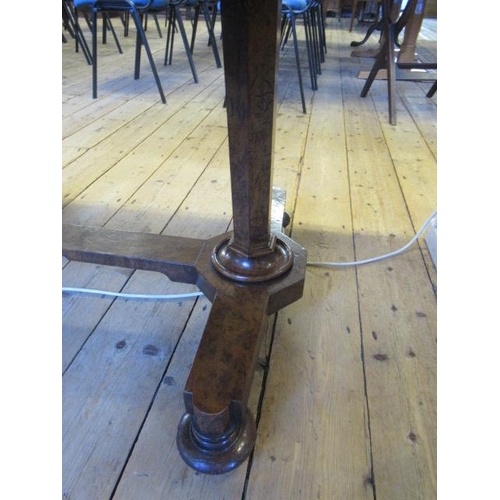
[(121, 295), (182, 296), (381, 257)]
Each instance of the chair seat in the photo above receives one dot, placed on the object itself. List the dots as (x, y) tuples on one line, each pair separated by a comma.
[(139, 4), (155, 4), (296, 5), (83, 3)]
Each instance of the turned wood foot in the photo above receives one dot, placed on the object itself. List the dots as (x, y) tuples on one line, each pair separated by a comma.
[(220, 451)]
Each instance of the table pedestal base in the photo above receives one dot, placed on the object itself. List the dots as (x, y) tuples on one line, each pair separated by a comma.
[(217, 433)]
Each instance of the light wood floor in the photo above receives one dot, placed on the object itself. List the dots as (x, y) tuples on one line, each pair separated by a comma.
[(345, 389)]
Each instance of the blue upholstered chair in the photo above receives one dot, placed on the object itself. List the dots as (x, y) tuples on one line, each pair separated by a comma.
[(311, 12), (136, 9), (70, 23)]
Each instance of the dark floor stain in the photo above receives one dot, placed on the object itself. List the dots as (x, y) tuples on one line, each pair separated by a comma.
[(394, 308), (381, 357), (150, 350), (410, 353), (121, 344), (169, 381), (374, 335), (412, 437), (421, 314)]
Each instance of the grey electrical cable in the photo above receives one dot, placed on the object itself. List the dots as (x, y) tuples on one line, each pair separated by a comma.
[(183, 296), (179, 296), (381, 257)]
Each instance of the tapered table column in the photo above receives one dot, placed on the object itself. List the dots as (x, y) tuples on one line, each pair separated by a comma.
[(250, 45)]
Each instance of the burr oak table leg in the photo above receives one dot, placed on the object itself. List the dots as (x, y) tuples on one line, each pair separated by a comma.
[(247, 274)]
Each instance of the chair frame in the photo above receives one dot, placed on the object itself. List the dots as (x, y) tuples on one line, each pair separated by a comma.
[(70, 22), (175, 21), (204, 6), (137, 14)]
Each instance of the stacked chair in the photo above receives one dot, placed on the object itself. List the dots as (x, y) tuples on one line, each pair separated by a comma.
[(311, 14)]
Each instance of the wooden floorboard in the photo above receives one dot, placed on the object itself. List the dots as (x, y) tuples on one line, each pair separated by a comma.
[(345, 389)]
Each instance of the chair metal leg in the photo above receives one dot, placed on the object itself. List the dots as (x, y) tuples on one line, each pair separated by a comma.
[(182, 31), (94, 53), (316, 39), (211, 34), (169, 46), (160, 34), (297, 59), (141, 38), (391, 75), (311, 56), (137, 59), (109, 24), (104, 28), (196, 16), (313, 29), (286, 29), (125, 21), (321, 31)]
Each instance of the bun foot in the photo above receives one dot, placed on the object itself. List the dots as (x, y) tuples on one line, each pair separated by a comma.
[(216, 453)]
